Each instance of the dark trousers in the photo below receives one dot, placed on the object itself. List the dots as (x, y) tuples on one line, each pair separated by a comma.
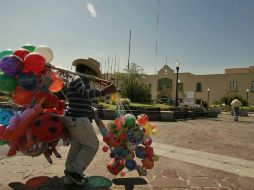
[(236, 111)]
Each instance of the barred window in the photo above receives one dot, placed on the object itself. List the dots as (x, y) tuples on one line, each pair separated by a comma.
[(233, 86), (198, 87)]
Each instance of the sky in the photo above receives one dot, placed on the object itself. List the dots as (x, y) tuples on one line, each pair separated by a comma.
[(206, 36)]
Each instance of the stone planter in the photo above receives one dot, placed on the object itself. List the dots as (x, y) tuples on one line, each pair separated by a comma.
[(108, 114), (161, 115), (167, 116), (152, 115), (212, 114)]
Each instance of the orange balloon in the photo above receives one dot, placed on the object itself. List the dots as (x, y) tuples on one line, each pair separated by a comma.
[(57, 85)]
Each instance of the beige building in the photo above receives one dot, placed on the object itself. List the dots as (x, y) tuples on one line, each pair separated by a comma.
[(193, 89), (196, 88)]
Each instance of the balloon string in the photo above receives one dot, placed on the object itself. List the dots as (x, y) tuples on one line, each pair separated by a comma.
[(120, 107)]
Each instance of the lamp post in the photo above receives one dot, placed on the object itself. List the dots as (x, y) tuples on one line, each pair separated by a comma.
[(177, 71), (208, 91), (247, 95)]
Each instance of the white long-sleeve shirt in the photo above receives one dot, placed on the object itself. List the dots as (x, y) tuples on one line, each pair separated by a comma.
[(236, 103)]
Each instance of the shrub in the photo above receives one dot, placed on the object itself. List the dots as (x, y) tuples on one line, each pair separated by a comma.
[(133, 86), (229, 97), (95, 100), (125, 101)]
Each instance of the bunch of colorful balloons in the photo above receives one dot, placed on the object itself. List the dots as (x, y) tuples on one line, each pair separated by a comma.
[(32, 85), (26, 76), (128, 137)]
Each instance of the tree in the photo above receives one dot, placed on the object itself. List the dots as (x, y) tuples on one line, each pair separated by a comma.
[(133, 86)]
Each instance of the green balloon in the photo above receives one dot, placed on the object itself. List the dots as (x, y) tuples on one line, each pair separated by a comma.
[(6, 52), (7, 83), (2, 143), (129, 120), (29, 47)]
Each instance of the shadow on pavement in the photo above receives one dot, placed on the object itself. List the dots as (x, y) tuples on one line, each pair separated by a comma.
[(129, 183), (48, 183), (246, 122)]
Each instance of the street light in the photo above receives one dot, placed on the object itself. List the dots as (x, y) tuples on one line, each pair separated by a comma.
[(208, 91), (247, 95), (177, 71)]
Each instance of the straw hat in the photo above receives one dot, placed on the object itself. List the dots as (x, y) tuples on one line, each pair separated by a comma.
[(90, 63)]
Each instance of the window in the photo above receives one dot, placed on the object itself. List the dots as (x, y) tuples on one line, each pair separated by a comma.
[(233, 86), (164, 83), (252, 86), (198, 87)]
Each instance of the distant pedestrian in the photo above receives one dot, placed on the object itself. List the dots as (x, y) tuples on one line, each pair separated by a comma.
[(236, 104)]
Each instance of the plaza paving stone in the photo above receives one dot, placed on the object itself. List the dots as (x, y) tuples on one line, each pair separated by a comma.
[(217, 136)]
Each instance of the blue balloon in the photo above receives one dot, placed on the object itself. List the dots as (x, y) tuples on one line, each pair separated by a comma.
[(120, 151), (130, 164), (134, 135), (140, 152), (28, 81), (5, 116)]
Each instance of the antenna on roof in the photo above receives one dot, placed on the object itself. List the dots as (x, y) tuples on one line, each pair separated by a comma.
[(129, 51), (157, 31)]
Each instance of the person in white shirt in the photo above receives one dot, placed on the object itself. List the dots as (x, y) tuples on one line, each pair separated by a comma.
[(236, 104)]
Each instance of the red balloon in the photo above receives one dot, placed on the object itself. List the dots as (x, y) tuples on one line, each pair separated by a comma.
[(22, 97), (34, 62), (105, 149), (21, 53), (123, 173), (51, 100), (142, 119), (47, 127), (148, 163), (115, 166), (149, 152), (2, 130), (37, 182)]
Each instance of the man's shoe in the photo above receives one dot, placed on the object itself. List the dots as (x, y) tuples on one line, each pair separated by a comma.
[(67, 180), (76, 178)]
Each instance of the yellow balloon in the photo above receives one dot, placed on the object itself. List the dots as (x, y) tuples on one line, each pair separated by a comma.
[(156, 157), (114, 96), (148, 128)]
